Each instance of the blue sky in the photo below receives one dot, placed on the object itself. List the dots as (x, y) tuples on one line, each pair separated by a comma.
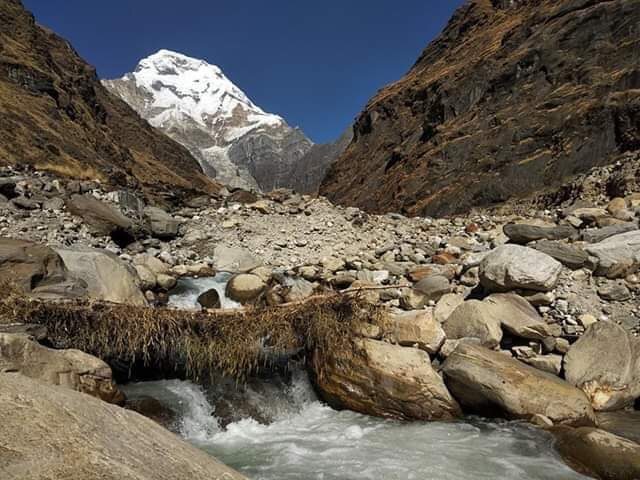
[(316, 63)]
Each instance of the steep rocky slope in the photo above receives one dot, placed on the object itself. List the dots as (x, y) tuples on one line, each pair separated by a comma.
[(55, 114), (513, 97), (196, 104)]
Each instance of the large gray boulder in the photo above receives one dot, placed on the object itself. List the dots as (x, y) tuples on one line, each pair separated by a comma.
[(518, 317), (474, 319), (383, 380), (510, 267), (234, 259), (161, 224), (605, 363), (101, 218), (618, 255), (489, 382), (598, 453), (68, 368), (55, 433), (107, 277)]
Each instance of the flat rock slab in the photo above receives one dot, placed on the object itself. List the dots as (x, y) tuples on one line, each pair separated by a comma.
[(598, 453), (569, 255), (523, 233), (492, 383), (52, 432), (596, 235), (510, 267)]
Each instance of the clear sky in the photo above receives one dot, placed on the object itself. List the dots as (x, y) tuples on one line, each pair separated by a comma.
[(316, 63)]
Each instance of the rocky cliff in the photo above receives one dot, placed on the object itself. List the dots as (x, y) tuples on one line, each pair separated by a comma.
[(55, 115), (197, 105), (512, 98)]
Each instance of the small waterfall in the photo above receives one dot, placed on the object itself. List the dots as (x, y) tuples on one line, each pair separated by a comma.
[(185, 294)]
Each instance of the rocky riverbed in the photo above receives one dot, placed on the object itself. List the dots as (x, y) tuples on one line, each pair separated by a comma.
[(528, 314)]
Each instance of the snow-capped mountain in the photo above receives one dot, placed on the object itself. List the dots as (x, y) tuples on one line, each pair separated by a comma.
[(197, 105)]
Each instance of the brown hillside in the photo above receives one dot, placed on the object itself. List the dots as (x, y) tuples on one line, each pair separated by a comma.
[(55, 115), (514, 97)]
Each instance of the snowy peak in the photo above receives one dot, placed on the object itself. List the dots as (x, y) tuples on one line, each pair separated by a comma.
[(194, 103), (181, 88)]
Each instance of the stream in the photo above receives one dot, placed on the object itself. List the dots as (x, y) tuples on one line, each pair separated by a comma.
[(305, 439)]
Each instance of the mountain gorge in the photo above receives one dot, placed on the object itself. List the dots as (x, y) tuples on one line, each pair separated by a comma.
[(57, 116), (235, 141), (512, 98)]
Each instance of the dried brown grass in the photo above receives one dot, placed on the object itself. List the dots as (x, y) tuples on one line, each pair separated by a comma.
[(202, 344)]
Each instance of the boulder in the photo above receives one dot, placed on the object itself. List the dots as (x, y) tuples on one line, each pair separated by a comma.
[(518, 317), (598, 453), (107, 277), (569, 255), (161, 224), (298, 289), (245, 287), (101, 218), (416, 328), (614, 291), (605, 363), (154, 264), (148, 279), (433, 288), (25, 203), (617, 256), (383, 380), (68, 368), (510, 267), (152, 408), (546, 363), (492, 383), (624, 423), (474, 319), (523, 233), (446, 306), (596, 235), (235, 259), (166, 282), (210, 299), (28, 265), (55, 433)]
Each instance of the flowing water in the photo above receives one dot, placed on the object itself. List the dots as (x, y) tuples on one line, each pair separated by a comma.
[(185, 294), (307, 440)]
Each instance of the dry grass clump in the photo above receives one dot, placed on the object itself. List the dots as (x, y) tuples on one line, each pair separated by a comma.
[(199, 343)]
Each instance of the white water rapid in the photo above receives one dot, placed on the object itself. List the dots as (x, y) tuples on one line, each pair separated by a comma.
[(307, 440)]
